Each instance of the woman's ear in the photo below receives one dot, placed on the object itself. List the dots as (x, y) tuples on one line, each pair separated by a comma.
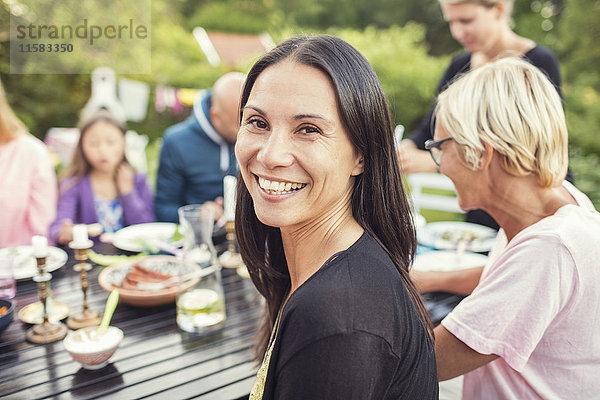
[(486, 157), (500, 9), (359, 166)]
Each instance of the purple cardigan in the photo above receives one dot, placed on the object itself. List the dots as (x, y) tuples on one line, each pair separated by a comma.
[(77, 204)]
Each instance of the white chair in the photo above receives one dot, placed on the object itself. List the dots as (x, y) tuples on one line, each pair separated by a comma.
[(443, 196)]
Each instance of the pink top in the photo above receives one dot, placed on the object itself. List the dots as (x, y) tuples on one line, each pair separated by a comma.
[(28, 191), (537, 306)]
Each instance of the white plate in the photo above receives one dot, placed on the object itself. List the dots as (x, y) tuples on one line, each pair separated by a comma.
[(24, 264), (447, 261), (420, 221), (131, 238), (446, 236)]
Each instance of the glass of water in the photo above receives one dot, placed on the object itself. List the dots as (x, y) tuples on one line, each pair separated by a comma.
[(8, 286), (201, 307)]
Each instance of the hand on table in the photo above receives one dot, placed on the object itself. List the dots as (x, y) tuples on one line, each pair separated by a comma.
[(413, 160), (217, 206), (124, 178), (65, 235)]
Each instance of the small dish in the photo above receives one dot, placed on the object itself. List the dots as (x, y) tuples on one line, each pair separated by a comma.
[(92, 349), (7, 317), (34, 314), (446, 235)]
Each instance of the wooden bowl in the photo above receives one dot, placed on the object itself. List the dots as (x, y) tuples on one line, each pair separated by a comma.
[(112, 277)]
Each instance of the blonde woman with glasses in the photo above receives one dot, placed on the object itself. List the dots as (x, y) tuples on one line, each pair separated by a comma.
[(529, 329)]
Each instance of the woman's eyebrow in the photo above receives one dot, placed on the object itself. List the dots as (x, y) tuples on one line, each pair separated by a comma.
[(312, 116), (296, 117), (257, 109)]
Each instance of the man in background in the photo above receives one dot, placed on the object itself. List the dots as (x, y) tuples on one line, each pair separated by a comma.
[(197, 153)]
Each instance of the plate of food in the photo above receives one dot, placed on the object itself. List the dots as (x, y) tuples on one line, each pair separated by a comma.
[(24, 264), (146, 237), (444, 260), (133, 278), (448, 236)]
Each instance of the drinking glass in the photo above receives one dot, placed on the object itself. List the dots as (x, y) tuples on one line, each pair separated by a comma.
[(201, 307), (8, 286)]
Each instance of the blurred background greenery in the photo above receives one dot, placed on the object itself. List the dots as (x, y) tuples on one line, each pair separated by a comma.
[(407, 42)]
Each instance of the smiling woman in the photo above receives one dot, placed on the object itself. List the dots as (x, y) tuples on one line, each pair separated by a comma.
[(326, 232)]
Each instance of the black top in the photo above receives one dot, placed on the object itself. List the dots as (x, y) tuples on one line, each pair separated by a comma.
[(539, 56), (351, 332)]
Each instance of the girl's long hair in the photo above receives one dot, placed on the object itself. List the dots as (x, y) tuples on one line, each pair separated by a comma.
[(378, 199)]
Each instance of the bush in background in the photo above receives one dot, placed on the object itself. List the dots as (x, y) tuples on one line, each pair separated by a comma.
[(409, 75)]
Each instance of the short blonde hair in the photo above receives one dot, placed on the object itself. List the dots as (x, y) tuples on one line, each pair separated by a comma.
[(512, 106)]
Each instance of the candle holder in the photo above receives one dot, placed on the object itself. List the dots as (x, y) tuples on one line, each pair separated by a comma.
[(87, 317), (231, 258), (45, 332)]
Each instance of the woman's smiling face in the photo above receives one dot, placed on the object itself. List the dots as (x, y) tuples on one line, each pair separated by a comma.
[(295, 155)]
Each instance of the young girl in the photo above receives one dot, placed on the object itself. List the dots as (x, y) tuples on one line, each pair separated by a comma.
[(100, 185)]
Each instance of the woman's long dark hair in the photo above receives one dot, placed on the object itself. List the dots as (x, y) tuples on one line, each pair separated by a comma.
[(379, 202)]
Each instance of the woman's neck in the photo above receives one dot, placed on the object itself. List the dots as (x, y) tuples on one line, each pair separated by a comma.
[(508, 44), (520, 202), (308, 247)]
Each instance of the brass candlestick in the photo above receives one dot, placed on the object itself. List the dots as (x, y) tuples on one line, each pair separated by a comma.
[(45, 332), (87, 317), (231, 258)]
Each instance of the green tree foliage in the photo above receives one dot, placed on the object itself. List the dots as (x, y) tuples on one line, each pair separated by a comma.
[(398, 37), (408, 74), (579, 44)]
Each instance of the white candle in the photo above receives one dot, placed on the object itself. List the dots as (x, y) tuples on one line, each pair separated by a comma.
[(229, 189), (40, 246), (80, 236)]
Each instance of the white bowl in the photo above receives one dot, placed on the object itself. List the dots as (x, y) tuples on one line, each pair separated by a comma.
[(91, 350)]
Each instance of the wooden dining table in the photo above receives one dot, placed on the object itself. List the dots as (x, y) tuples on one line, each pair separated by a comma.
[(155, 359)]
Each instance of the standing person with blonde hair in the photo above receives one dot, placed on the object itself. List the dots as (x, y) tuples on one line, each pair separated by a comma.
[(529, 329), (483, 28), (28, 181)]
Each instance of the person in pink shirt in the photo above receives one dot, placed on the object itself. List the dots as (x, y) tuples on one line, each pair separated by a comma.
[(28, 192), (529, 329)]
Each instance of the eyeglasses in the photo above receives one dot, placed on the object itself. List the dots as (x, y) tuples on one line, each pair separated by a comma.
[(435, 149)]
